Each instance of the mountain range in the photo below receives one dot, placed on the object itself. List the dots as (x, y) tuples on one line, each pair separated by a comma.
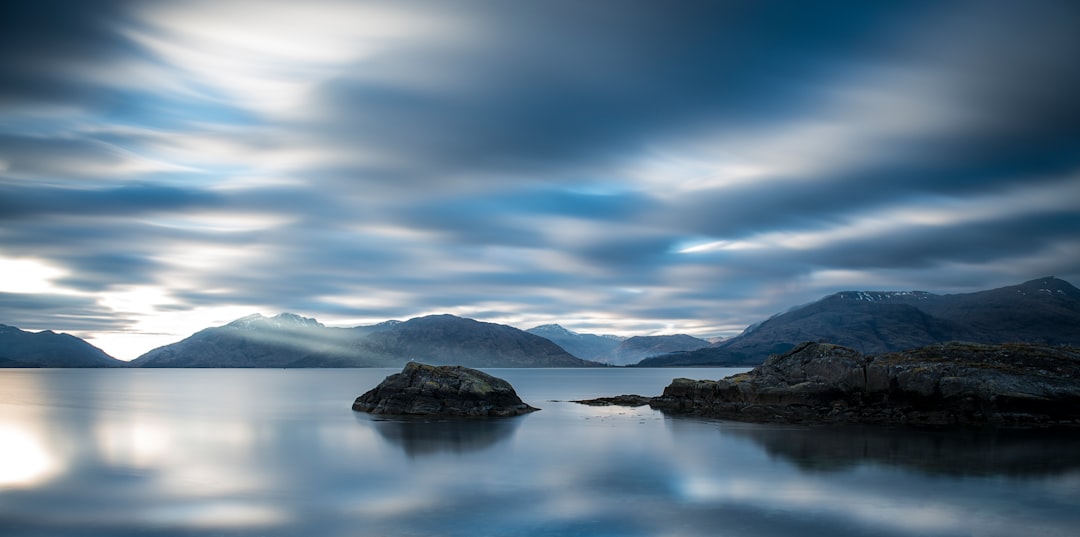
[(637, 348), (588, 346), (615, 350), (1045, 311), (19, 348)]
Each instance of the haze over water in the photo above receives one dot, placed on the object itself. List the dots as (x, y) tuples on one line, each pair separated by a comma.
[(279, 452)]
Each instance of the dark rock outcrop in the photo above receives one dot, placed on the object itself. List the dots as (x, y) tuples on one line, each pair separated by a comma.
[(948, 384), (422, 389), (1020, 385), (618, 400)]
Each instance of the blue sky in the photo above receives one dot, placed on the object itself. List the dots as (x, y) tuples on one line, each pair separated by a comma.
[(614, 166)]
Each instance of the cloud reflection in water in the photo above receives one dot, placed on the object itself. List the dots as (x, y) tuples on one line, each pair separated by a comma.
[(272, 452)]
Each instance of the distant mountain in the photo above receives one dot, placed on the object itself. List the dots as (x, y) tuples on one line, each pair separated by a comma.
[(289, 340), (634, 349), (586, 346), (1045, 311), (371, 329), (19, 348), (446, 339), (257, 341)]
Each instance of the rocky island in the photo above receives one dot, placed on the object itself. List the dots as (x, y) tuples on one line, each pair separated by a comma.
[(428, 390), (1022, 385)]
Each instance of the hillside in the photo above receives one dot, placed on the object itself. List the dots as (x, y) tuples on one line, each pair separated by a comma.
[(585, 346), (446, 339), (19, 348), (256, 341), (288, 340), (634, 349), (1044, 311)]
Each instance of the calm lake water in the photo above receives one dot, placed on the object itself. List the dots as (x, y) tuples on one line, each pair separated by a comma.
[(279, 452)]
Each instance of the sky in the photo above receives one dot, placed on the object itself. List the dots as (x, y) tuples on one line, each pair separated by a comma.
[(622, 167)]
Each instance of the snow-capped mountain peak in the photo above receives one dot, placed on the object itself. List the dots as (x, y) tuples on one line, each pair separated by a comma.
[(279, 321), (881, 296), (553, 329)]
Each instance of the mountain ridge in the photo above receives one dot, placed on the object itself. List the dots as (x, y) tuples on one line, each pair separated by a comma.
[(290, 340), (1044, 311), (586, 346), (46, 348), (638, 348)]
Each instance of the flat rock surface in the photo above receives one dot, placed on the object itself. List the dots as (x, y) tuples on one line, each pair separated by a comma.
[(429, 390)]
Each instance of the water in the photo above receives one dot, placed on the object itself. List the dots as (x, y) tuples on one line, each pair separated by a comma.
[(279, 452)]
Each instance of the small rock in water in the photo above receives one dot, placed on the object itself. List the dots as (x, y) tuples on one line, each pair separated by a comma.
[(429, 390), (618, 400)]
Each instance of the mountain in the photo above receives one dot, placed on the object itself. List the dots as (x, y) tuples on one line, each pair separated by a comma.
[(289, 340), (19, 348), (1044, 311), (587, 346), (446, 339), (633, 350), (371, 329), (258, 341)]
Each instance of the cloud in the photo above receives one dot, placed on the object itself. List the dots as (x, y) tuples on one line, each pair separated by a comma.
[(622, 165), (47, 311), (570, 87), (21, 201), (47, 48)]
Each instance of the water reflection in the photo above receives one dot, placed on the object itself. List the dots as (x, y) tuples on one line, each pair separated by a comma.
[(25, 461), (989, 452), (28, 456), (866, 481), (274, 453), (427, 436)]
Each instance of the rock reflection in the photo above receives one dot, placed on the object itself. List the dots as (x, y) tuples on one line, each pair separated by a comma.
[(983, 452), (420, 437)]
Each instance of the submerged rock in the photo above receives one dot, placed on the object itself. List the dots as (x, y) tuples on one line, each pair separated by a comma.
[(422, 389), (1023, 385)]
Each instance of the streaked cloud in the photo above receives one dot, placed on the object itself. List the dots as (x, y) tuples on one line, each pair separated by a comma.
[(619, 167)]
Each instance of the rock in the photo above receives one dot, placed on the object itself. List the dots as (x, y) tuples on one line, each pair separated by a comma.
[(422, 389), (1023, 385), (618, 400)]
